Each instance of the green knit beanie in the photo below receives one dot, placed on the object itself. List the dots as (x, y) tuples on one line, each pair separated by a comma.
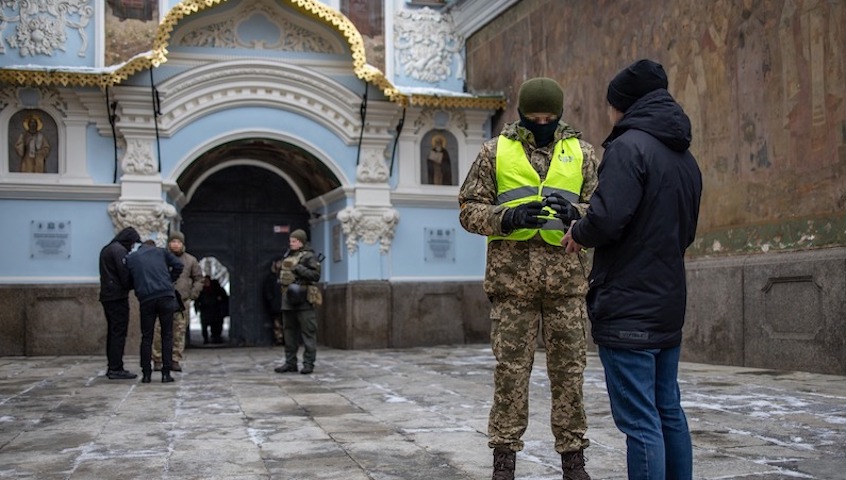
[(176, 236), (300, 235), (541, 95)]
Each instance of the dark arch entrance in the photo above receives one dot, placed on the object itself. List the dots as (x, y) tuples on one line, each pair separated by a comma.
[(242, 215)]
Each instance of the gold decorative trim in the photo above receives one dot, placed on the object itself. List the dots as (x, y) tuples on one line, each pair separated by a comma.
[(310, 8)]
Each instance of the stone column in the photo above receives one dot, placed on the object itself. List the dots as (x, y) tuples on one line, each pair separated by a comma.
[(140, 204), (372, 220)]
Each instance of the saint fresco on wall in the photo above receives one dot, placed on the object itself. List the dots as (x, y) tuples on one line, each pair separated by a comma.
[(439, 159), (131, 27), (33, 143), (368, 18)]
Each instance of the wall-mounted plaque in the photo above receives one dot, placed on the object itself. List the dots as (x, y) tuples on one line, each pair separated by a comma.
[(50, 239), (440, 244)]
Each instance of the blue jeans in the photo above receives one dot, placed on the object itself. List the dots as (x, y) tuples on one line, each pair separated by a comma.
[(646, 405)]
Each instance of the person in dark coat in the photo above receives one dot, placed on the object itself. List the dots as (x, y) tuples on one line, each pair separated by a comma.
[(212, 305), (154, 271), (641, 219), (114, 296)]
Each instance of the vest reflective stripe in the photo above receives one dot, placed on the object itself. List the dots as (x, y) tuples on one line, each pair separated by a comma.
[(527, 191), (518, 183)]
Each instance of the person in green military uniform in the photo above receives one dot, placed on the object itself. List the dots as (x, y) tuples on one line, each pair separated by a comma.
[(299, 272), (188, 286), (523, 190)]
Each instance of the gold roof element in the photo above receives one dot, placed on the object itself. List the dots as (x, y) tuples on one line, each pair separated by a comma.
[(158, 55)]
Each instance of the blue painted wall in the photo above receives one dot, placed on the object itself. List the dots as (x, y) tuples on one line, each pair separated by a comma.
[(409, 250), (91, 229), (100, 156)]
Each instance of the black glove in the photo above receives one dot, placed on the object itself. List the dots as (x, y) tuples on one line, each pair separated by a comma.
[(523, 216), (564, 210)]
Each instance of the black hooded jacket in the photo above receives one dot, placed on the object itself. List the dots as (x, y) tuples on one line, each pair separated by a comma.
[(641, 220), (114, 277)]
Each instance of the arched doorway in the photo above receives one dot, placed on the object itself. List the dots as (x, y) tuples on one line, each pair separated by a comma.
[(242, 215), (200, 329)]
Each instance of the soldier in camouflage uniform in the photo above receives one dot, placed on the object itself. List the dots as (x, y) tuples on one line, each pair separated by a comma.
[(532, 284), (299, 272), (188, 286)]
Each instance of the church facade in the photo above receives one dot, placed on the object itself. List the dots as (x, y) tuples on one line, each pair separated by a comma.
[(236, 122)]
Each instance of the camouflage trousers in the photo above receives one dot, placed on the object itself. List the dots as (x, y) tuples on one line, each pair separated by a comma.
[(180, 324), (514, 335)]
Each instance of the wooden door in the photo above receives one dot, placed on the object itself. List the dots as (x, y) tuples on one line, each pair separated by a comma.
[(242, 216)]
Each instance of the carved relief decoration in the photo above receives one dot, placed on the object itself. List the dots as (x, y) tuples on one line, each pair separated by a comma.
[(313, 9), (41, 25), (372, 168), (227, 32), (8, 96), (138, 159), (148, 217), (370, 225), (426, 44), (50, 97), (457, 119), (32, 98)]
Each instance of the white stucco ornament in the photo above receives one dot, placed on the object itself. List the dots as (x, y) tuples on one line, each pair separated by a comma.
[(427, 119), (258, 25), (426, 44), (138, 159), (40, 25), (147, 217), (372, 168), (370, 225)]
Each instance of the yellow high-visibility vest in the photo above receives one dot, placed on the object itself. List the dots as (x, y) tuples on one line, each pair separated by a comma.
[(517, 183)]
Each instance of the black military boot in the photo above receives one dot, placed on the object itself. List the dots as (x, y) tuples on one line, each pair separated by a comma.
[(504, 460), (573, 465)]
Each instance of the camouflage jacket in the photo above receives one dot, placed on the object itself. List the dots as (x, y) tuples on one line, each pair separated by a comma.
[(533, 267), (190, 281)]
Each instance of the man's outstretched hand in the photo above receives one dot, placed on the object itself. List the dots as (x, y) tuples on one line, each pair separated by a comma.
[(570, 245)]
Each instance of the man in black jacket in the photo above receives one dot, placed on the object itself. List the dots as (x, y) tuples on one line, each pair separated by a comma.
[(114, 296), (641, 220), (154, 271)]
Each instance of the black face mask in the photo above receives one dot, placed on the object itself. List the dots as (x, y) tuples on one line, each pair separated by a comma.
[(544, 134)]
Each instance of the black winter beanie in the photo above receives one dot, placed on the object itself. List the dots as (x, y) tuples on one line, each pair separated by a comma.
[(635, 81)]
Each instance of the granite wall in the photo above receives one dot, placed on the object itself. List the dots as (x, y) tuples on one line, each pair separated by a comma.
[(747, 310), (381, 314), (58, 320), (69, 320)]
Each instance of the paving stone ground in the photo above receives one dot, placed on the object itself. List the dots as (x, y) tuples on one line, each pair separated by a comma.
[(405, 414)]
